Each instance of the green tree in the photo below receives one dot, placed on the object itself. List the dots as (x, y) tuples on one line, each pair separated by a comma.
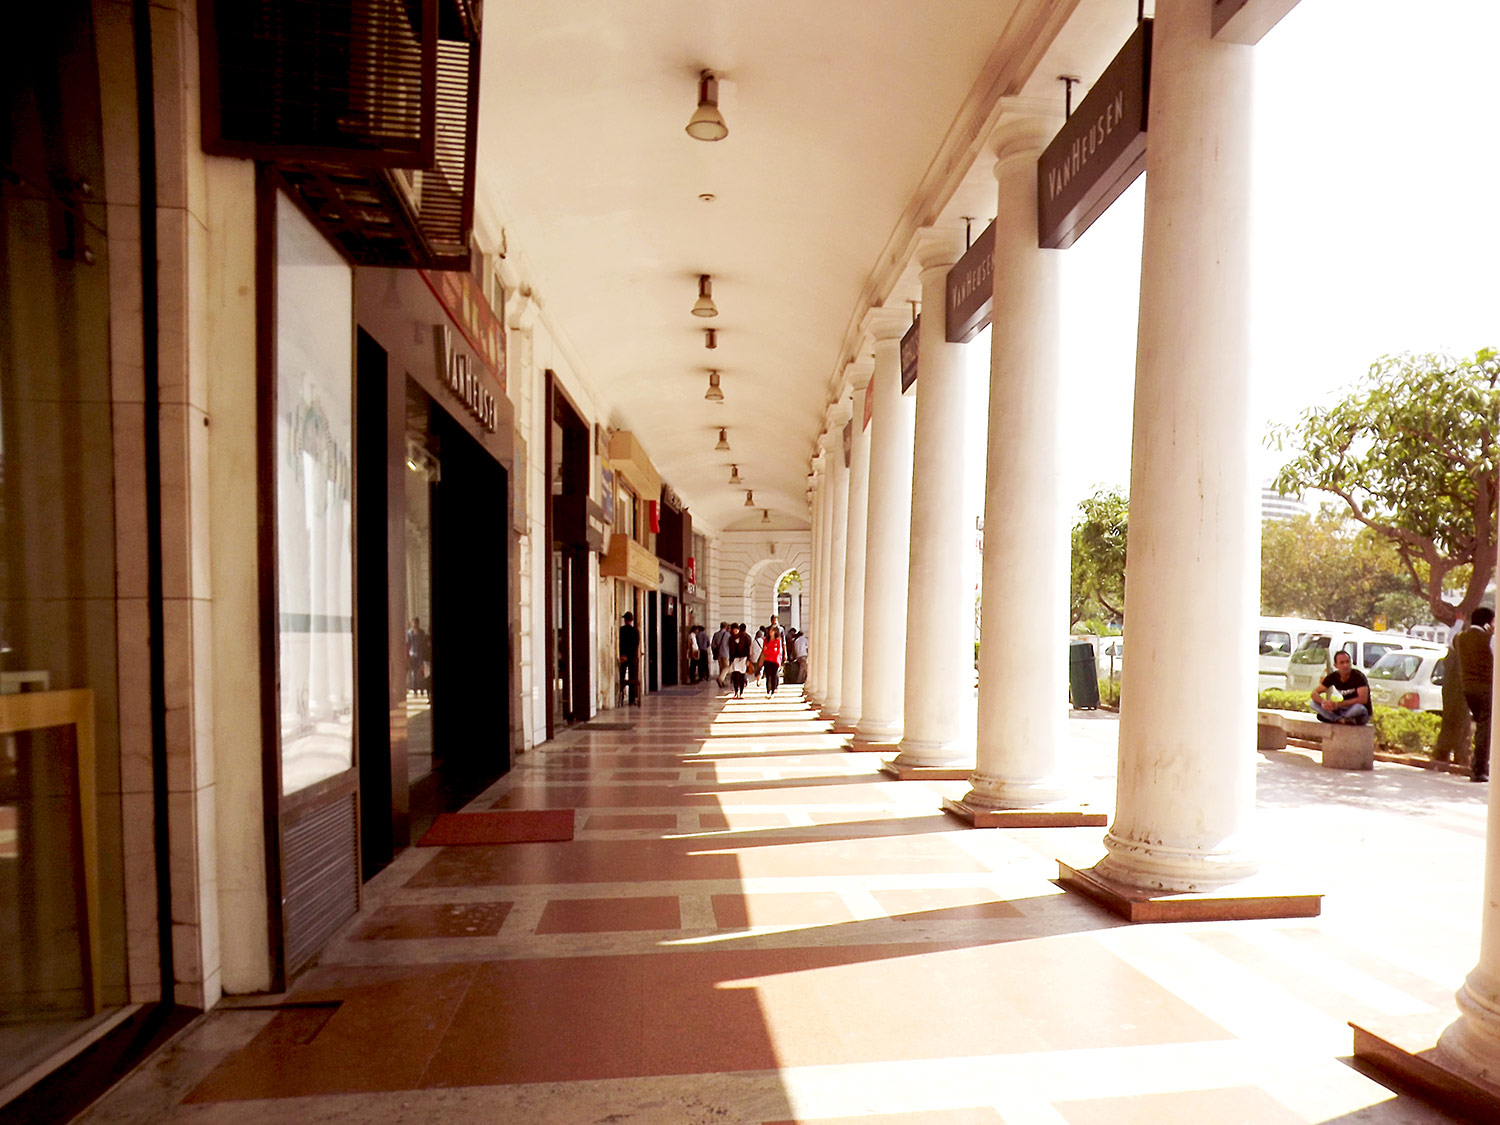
[(1098, 579), (1410, 450), (1322, 566)]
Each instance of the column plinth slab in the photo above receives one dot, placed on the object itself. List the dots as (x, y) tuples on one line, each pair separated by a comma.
[(1252, 898), (1040, 816), (1412, 1050), (901, 771)]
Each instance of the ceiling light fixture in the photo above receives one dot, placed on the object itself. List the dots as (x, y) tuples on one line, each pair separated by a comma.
[(749, 497), (714, 393), (710, 338), (765, 515), (723, 446), (705, 305), (734, 475), (707, 123)]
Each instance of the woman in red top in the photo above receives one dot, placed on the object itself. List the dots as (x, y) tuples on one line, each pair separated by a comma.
[(770, 658)]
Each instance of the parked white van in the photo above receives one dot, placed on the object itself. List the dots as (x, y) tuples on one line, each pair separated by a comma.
[(1314, 659), (1279, 638)]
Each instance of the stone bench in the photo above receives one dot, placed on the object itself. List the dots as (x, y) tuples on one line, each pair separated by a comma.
[(1343, 747)]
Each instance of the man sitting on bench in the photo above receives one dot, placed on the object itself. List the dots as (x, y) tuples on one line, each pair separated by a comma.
[(1343, 696)]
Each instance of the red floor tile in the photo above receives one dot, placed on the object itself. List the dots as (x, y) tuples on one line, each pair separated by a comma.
[(609, 915), (642, 861), (739, 819), (809, 908), (1240, 1105), (944, 904), (631, 820), (380, 1037)]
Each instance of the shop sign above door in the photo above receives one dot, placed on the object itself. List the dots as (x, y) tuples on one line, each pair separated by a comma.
[(971, 290), (465, 302), (909, 351), (459, 376), (1099, 151)]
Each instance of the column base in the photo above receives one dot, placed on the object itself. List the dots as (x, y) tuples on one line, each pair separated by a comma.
[(902, 772), (859, 744), (1041, 816), (1404, 1049), (1252, 898), (937, 755), (888, 733)]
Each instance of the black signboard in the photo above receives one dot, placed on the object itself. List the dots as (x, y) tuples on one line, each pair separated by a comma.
[(1099, 151), (971, 290), (909, 351)]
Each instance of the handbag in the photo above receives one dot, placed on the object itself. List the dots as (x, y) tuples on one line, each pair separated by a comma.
[(738, 664)]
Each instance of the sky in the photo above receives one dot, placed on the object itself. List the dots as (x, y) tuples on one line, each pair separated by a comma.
[(1376, 220)]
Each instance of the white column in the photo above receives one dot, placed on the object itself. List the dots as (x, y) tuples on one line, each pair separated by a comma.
[(888, 534), (938, 728), (1186, 790), (851, 682), (818, 648), (1023, 692), (1472, 1042), (838, 543)]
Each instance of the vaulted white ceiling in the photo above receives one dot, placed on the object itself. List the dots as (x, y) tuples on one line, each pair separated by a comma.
[(851, 122)]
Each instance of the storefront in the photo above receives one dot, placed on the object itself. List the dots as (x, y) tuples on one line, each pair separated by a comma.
[(72, 639), (435, 434), (630, 559)]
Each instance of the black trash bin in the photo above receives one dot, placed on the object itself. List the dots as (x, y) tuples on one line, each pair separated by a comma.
[(1083, 676)]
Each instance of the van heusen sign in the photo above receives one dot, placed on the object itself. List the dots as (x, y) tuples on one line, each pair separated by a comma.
[(909, 351), (464, 301), (971, 290), (1099, 151), (460, 377)]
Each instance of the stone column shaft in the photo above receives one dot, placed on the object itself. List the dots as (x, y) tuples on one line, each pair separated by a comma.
[(1185, 792), (888, 538), (1472, 1042), (1023, 690), (851, 681), (818, 647), (838, 542), (940, 603)]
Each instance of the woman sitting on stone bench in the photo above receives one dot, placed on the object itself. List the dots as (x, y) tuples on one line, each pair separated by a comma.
[(1343, 696)]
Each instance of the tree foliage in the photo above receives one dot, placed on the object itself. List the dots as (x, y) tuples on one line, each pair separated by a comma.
[(1321, 566), (1099, 535), (1410, 450)]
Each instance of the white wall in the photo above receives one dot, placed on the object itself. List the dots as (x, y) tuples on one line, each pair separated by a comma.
[(746, 569)]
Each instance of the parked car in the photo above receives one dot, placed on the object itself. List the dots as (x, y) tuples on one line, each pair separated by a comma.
[(1411, 678), (1279, 638), (1365, 647)]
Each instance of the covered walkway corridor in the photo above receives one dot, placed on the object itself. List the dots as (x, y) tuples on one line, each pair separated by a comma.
[(753, 924)]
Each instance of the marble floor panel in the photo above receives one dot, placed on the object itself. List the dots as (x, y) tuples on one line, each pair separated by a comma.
[(752, 925)]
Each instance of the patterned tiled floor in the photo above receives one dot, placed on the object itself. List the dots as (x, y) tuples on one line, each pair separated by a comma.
[(754, 925)]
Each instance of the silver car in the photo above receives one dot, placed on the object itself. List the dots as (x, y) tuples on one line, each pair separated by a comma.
[(1412, 679)]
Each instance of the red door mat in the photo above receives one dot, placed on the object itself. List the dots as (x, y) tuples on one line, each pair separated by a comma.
[(508, 826)]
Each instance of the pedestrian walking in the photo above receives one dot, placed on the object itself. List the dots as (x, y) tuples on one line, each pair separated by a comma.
[(771, 659), (739, 659), (720, 646)]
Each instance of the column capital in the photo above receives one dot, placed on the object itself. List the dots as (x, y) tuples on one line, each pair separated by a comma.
[(884, 323), (838, 414), (938, 247), (857, 375), (1025, 128), (522, 308)]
